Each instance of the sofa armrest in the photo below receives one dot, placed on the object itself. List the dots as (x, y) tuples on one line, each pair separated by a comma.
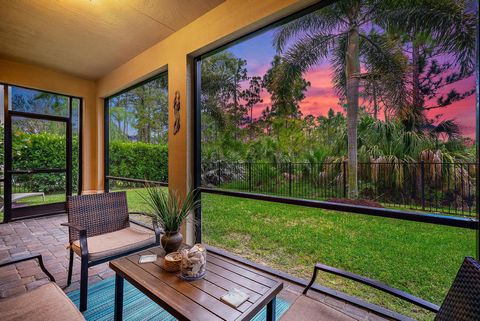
[(374, 284), (27, 258)]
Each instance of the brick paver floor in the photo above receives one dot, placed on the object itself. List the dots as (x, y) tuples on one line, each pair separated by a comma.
[(47, 237)]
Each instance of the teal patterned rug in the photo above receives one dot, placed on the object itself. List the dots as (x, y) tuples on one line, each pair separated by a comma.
[(136, 306)]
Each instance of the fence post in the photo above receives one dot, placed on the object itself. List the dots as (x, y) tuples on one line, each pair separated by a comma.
[(344, 179), (249, 177), (422, 182), (289, 179)]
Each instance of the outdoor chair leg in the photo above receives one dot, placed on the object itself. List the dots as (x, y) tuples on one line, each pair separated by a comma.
[(70, 268), (83, 284)]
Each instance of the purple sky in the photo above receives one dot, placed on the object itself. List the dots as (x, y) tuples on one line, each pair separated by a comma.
[(320, 97)]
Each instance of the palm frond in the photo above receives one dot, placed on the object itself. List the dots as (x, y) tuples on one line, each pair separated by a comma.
[(307, 52), (447, 127), (448, 23), (337, 62), (387, 67), (325, 21)]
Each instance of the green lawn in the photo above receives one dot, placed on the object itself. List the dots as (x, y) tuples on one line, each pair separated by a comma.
[(36, 200), (416, 257), (420, 258)]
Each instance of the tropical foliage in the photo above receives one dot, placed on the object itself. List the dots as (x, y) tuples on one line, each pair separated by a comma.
[(138, 132), (388, 72), (141, 114), (29, 150)]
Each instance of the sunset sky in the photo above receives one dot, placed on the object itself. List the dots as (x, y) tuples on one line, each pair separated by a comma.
[(320, 97)]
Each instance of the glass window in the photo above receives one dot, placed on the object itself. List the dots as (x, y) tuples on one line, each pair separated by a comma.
[(38, 102), (370, 105), (39, 146), (138, 133), (280, 118), (34, 141), (76, 140)]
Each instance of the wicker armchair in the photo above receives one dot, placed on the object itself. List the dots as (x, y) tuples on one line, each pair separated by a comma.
[(100, 231), (462, 302)]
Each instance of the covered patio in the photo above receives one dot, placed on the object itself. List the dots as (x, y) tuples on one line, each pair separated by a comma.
[(47, 237), (125, 99)]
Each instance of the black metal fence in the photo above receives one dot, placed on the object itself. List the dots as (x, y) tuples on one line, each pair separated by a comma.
[(448, 188)]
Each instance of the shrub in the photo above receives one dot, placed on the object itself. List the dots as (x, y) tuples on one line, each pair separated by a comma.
[(139, 160), (44, 150), (47, 150)]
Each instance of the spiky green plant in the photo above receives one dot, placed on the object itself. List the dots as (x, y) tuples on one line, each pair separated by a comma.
[(168, 208)]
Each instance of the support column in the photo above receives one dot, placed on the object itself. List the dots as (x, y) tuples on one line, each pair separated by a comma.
[(179, 145)]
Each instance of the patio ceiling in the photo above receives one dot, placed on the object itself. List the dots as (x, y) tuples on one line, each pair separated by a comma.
[(89, 38)]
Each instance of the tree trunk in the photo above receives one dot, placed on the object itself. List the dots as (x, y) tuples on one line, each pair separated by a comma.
[(125, 125), (417, 100), (352, 74), (251, 123)]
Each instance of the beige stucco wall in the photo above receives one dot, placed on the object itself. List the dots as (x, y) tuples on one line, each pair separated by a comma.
[(35, 77)]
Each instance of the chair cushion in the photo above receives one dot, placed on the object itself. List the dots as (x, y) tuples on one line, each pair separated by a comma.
[(47, 302), (308, 309), (115, 243)]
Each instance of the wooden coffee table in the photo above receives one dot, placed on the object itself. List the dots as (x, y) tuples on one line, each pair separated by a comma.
[(197, 300)]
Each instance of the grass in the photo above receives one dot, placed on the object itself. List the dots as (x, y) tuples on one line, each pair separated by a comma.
[(416, 257), (37, 200)]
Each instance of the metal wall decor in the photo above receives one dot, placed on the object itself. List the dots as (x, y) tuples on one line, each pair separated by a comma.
[(176, 112)]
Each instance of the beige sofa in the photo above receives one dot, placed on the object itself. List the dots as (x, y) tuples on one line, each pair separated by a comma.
[(47, 302)]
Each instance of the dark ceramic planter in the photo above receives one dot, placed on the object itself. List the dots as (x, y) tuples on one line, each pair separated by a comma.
[(171, 241)]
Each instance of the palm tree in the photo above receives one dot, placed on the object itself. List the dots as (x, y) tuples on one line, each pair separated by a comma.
[(221, 100), (344, 34)]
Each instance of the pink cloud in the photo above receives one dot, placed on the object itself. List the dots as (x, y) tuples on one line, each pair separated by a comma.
[(463, 111), (320, 97)]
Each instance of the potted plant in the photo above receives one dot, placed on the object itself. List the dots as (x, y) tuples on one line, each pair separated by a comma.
[(169, 211)]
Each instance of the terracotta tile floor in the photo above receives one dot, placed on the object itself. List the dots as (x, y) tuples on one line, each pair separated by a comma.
[(45, 236)]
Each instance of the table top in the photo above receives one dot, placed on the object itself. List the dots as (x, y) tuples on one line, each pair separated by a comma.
[(200, 299)]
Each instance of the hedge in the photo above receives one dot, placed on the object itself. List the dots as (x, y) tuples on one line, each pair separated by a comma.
[(139, 160), (43, 150), (127, 159)]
